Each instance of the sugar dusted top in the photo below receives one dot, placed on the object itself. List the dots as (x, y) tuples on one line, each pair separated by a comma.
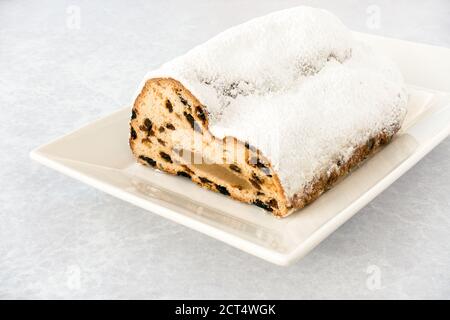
[(296, 85)]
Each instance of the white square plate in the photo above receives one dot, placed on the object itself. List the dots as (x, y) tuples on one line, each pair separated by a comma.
[(98, 154)]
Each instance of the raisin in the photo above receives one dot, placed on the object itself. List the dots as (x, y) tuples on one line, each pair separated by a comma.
[(235, 168), (147, 127), (161, 142), (165, 156), (273, 203), (259, 164), (133, 133), (261, 204), (133, 114), (149, 132), (255, 184), (200, 114), (183, 174), (256, 178), (150, 161), (169, 105), (161, 129), (222, 190), (183, 100), (187, 169), (205, 180), (192, 121), (259, 193), (170, 126), (148, 124)]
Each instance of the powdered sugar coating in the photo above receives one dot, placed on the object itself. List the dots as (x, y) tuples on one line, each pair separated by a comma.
[(297, 86)]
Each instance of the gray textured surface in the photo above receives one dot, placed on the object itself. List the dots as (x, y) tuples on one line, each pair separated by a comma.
[(62, 239)]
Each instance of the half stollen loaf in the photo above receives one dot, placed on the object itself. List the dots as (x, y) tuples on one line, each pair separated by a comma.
[(270, 112)]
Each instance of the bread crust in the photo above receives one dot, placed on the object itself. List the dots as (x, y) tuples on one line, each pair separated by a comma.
[(326, 181)]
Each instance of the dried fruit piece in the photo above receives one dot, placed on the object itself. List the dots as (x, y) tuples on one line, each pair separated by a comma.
[(183, 174), (169, 105), (222, 189), (133, 133), (200, 114), (273, 203), (256, 178), (235, 168), (205, 180), (161, 142), (147, 127), (148, 124), (165, 156), (150, 161), (170, 126), (254, 184), (261, 204), (260, 164), (186, 168), (192, 122), (183, 100)]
